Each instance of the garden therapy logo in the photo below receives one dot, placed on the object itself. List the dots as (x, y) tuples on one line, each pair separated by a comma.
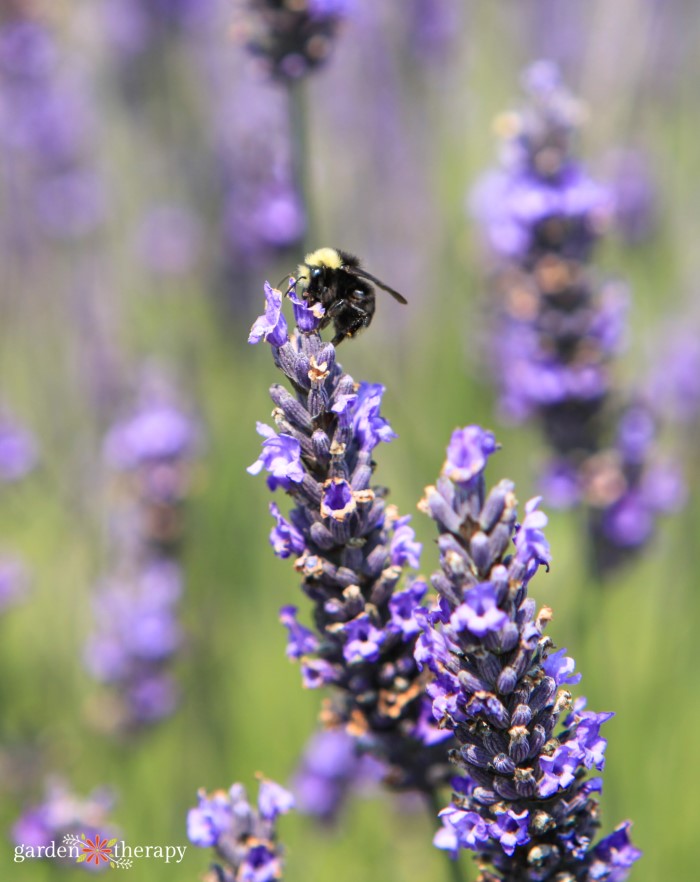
[(97, 850)]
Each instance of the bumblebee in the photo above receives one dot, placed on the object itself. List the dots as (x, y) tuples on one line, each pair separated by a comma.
[(335, 279)]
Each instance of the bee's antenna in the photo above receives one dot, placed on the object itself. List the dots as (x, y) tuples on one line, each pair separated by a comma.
[(287, 276)]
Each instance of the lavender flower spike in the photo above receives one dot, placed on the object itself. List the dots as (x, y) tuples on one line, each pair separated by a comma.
[(293, 38), (351, 551), (243, 838), (524, 802), (559, 327)]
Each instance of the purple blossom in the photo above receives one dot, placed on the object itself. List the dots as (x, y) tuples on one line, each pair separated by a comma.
[(629, 522), (338, 499), (157, 431), (308, 318), (510, 829), (588, 745), (559, 770), (404, 549), (368, 424), (615, 853), (461, 829), (285, 539), (403, 606), (272, 325), (561, 668), (363, 640), (467, 453), (479, 613), (281, 457), (273, 800), (317, 672), (530, 540), (301, 640), (426, 729)]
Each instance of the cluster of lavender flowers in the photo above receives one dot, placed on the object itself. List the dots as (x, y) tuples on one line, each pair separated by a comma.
[(136, 632), (293, 37), (350, 549), (63, 813), (523, 801), (559, 326), (244, 839), (50, 185)]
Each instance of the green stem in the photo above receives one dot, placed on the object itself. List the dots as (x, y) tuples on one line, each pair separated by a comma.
[(301, 152), (434, 807)]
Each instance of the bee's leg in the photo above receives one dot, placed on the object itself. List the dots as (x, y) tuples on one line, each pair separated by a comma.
[(354, 319)]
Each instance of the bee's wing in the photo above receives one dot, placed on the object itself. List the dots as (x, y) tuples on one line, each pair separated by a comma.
[(358, 271)]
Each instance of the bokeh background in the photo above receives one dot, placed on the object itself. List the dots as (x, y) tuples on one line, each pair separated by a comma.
[(147, 242)]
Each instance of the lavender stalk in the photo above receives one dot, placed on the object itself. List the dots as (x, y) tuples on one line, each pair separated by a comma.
[(560, 327), (523, 801), (350, 549), (137, 633)]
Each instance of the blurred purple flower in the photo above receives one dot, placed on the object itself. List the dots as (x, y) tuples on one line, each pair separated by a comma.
[(244, 839), (18, 450)]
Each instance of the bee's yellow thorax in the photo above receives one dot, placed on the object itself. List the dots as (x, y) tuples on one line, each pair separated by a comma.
[(324, 257)]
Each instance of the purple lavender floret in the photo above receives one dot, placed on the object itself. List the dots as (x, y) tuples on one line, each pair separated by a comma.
[(290, 38), (244, 838), (272, 325), (281, 457), (351, 551), (524, 803)]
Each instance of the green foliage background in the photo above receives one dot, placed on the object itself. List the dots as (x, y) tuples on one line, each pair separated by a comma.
[(243, 708)]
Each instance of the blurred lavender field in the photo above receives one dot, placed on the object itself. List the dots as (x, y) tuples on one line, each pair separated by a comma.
[(159, 160)]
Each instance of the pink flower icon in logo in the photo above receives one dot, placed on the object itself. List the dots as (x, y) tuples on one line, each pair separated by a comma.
[(97, 850)]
